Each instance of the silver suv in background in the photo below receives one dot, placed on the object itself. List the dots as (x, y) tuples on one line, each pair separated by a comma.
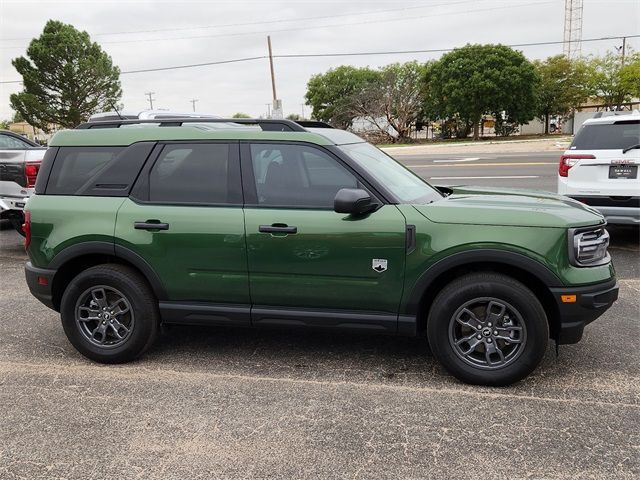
[(600, 168), (20, 160)]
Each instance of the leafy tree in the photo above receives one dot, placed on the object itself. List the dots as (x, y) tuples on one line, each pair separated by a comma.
[(4, 124), (240, 115), (295, 117), (479, 79), (66, 78), (630, 76), (614, 83), (329, 94), (392, 104), (564, 85)]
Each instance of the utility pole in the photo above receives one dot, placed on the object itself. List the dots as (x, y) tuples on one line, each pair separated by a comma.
[(302, 105), (277, 104), (193, 102), (622, 50), (150, 95)]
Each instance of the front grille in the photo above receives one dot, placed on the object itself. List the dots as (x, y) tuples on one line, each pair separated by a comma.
[(591, 246)]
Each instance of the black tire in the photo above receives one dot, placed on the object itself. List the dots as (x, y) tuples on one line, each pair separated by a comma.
[(449, 316), (141, 323)]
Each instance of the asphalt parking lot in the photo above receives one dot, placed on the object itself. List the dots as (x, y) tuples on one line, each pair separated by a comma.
[(223, 403)]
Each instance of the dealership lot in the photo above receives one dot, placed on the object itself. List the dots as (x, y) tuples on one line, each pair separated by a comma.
[(220, 403)]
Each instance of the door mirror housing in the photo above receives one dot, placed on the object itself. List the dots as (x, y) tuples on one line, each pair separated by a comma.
[(353, 201)]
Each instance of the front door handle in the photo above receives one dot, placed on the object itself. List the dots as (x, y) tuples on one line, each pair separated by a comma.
[(151, 225), (277, 228)]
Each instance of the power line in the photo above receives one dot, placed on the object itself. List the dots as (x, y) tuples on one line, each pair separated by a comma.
[(265, 22), (441, 50), (345, 54), (205, 64), (315, 27)]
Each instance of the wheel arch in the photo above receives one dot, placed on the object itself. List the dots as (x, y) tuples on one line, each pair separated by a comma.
[(72, 260), (535, 276)]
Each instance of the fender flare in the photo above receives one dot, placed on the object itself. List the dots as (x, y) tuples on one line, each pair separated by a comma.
[(503, 257), (118, 251)]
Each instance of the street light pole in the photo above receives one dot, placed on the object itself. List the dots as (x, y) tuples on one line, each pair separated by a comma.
[(193, 102)]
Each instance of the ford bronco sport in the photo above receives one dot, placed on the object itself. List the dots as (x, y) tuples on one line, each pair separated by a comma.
[(140, 223)]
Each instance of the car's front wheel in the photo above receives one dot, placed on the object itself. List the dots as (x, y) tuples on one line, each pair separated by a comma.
[(488, 329), (109, 313)]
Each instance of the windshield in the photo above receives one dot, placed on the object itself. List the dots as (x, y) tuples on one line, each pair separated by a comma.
[(400, 181)]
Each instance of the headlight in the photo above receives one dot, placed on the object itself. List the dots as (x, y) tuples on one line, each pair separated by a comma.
[(588, 246)]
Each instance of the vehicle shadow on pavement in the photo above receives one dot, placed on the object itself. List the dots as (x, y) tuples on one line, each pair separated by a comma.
[(281, 351)]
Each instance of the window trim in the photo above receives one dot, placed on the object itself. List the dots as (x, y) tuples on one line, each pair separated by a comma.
[(248, 177)]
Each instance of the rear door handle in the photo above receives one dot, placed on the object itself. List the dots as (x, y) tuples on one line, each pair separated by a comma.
[(151, 225), (277, 228)]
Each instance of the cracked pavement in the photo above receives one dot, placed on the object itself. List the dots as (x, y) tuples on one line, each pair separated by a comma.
[(233, 403)]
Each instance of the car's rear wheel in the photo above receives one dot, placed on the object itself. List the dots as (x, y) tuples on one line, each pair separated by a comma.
[(109, 313), (488, 329)]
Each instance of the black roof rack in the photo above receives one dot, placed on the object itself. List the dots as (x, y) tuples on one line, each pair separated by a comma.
[(268, 125)]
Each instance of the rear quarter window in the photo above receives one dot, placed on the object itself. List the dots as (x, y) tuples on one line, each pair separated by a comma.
[(614, 136), (97, 171)]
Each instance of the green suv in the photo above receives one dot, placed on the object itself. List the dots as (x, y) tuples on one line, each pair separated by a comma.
[(270, 223)]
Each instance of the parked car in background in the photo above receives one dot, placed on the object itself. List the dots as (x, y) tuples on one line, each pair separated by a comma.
[(600, 168), (20, 160), (272, 223)]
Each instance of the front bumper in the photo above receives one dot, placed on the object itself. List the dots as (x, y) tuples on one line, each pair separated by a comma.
[(591, 302), (12, 203), (39, 281)]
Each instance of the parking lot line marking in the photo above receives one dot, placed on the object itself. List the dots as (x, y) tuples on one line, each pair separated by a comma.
[(501, 164), (476, 178)]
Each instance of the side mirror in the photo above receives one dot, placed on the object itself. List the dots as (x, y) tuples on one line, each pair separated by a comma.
[(353, 201)]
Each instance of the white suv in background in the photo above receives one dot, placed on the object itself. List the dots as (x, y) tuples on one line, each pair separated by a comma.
[(600, 168)]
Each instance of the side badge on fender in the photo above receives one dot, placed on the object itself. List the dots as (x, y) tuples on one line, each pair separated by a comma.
[(379, 264)]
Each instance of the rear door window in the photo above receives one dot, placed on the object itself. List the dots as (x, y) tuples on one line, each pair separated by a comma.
[(200, 173), (616, 136)]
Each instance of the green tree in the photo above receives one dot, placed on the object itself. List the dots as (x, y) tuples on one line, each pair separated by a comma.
[(564, 85), (4, 124), (295, 117), (480, 79), (613, 83), (630, 76), (240, 115), (329, 94), (66, 78)]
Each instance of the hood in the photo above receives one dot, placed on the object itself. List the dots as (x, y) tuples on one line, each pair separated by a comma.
[(512, 207)]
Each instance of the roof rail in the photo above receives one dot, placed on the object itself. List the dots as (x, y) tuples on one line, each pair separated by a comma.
[(313, 124), (269, 125)]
